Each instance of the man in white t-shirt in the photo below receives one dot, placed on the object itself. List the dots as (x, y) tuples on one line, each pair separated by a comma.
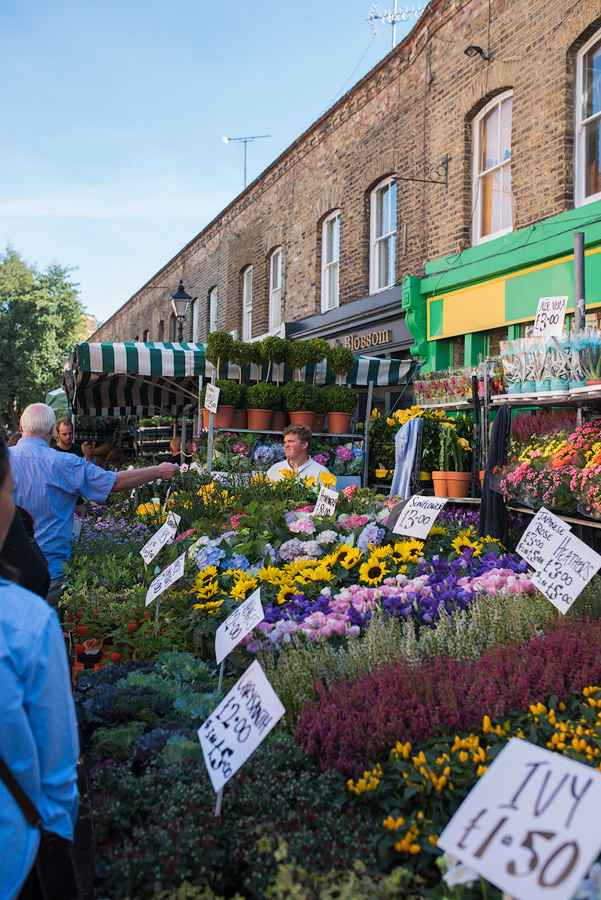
[(297, 443)]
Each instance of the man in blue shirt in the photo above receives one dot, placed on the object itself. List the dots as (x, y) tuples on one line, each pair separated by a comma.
[(47, 485)]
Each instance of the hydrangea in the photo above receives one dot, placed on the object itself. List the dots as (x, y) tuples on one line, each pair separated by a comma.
[(280, 453), (237, 561), (321, 458), (303, 526), (328, 537), (371, 534), (289, 550), (201, 542), (344, 454), (311, 550), (264, 453), (209, 556)]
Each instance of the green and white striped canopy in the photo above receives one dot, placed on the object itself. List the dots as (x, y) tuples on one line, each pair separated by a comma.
[(142, 379)]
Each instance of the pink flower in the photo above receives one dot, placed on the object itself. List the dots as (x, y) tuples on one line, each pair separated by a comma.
[(349, 491), (236, 519), (303, 526)]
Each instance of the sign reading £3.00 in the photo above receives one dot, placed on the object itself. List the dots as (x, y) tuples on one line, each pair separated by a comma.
[(418, 515), (550, 315)]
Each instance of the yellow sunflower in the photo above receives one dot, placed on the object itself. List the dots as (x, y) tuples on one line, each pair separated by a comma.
[(271, 574), (206, 590), (286, 592), (211, 607), (205, 575), (319, 573), (438, 529), (242, 587), (463, 543), (373, 571), (349, 559), (380, 552)]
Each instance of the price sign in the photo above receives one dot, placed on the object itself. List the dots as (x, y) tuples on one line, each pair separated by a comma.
[(550, 314), (418, 515), (212, 398), (326, 503), (566, 571), (166, 532), (240, 623), (530, 825), (167, 577), (239, 724), (541, 537)]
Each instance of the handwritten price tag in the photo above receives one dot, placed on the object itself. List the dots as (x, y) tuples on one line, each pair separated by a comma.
[(166, 532), (418, 516), (240, 623), (550, 315), (212, 398), (530, 825), (239, 724), (167, 577), (566, 571), (326, 503), (543, 534)]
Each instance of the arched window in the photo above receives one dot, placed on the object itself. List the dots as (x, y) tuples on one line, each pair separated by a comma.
[(161, 332), (195, 309), (330, 258), (145, 335), (275, 289), (213, 305), (172, 328), (383, 236), (247, 304), (588, 122), (492, 195)]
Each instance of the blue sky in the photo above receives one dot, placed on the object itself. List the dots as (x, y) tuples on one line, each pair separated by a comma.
[(114, 111)]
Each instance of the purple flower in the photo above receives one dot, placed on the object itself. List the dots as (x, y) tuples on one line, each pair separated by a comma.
[(344, 454), (209, 556), (371, 534)]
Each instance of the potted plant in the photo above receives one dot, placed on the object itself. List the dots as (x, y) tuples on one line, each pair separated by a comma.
[(299, 354), (262, 400), (340, 360), (320, 402), (241, 354), (342, 403), (218, 349), (240, 416), (275, 350), (450, 480), (319, 351), (299, 400), (229, 395)]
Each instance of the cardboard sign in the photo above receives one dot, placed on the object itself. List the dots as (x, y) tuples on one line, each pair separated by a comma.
[(530, 825), (566, 571), (418, 515), (212, 398), (543, 534), (167, 577), (326, 503), (550, 315), (166, 532), (239, 725), (240, 623)]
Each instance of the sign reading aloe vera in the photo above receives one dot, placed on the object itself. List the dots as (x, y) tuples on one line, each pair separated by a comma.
[(550, 316)]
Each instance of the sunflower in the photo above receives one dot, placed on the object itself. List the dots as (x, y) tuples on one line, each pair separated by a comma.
[(350, 558), (380, 552), (406, 551), (437, 529), (242, 587), (319, 573), (211, 607), (271, 574), (462, 543), (204, 576), (206, 590), (373, 571), (286, 592)]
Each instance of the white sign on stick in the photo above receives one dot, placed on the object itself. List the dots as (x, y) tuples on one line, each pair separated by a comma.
[(239, 724), (166, 532), (326, 503), (166, 578), (543, 534), (550, 315), (237, 625), (418, 516), (566, 571), (212, 398), (531, 824)]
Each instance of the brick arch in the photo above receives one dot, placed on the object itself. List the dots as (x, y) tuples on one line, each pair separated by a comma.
[(473, 104), (273, 237), (329, 200), (580, 26), (385, 166)]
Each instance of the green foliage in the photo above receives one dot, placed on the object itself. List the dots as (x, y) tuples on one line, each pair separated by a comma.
[(275, 349), (116, 743), (319, 349), (40, 318), (241, 353), (263, 396), (299, 397), (219, 347), (299, 355), (342, 399), (340, 360)]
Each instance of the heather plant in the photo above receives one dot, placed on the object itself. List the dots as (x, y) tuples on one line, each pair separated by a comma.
[(525, 429)]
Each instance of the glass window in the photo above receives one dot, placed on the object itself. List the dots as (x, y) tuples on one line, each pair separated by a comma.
[(588, 122), (213, 303), (493, 214), (247, 304), (383, 236), (275, 290), (172, 328), (195, 310), (161, 332), (145, 337), (330, 257)]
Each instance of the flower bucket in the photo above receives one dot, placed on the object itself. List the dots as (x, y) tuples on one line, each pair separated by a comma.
[(560, 384), (339, 423), (458, 483), (381, 473), (440, 484), (318, 420), (224, 417), (515, 388), (259, 419), (542, 386), (279, 420), (528, 387), (302, 418), (205, 418), (240, 419)]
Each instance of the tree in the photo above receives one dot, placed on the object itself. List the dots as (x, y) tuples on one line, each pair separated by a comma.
[(40, 318)]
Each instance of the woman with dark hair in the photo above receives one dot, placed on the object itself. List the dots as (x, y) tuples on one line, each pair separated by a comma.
[(38, 733)]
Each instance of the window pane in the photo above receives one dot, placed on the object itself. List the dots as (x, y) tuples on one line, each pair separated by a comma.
[(487, 217), (276, 309), (506, 216), (592, 81), (332, 286), (592, 138), (332, 240), (276, 270), (506, 108), (384, 263), (490, 140), (248, 287)]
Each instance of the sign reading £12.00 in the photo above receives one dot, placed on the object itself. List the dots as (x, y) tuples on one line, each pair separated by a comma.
[(237, 625), (166, 578)]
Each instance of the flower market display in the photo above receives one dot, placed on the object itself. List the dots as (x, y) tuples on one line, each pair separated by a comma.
[(404, 667)]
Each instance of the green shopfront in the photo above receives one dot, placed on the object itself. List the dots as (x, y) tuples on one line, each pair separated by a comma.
[(467, 302)]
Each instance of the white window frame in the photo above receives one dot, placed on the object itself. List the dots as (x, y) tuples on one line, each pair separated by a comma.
[(247, 304), (384, 239), (582, 122), (330, 268), (477, 236), (195, 311), (213, 309), (275, 289)]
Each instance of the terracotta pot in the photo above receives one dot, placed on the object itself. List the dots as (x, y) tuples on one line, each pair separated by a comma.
[(591, 382), (339, 423), (318, 420), (224, 417), (440, 484), (205, 418), (259, 419), (482, 473), (458, 483), (279, 420), (240, 419), (302, 418)]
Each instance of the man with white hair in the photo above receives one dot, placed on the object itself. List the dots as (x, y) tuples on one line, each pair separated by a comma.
[(47, 485)]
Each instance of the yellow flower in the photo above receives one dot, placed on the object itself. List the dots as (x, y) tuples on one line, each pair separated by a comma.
[(349, 558), (310, 481), (212, 607), (242, 587), (463, 543), (392, 824), (373, 571), (328, 479), (205, 575), (149, 509), (271, 574), (380, 552), (286, 593)]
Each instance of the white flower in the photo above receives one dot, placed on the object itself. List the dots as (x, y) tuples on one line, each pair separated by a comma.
[(458, 873)]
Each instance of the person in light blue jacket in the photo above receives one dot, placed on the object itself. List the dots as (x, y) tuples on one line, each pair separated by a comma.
[(38, 731)]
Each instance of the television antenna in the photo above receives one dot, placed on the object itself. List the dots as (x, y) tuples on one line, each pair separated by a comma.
[(245, 141), (391, 18)]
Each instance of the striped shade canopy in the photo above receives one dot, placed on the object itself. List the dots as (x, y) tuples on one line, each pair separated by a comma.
[(143, 379)]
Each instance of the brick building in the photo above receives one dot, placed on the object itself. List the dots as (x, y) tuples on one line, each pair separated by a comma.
[(435, 174)]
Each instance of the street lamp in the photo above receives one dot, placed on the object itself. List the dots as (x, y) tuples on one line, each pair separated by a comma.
[(180, 302)]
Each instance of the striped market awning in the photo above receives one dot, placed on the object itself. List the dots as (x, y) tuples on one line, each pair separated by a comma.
[(142, 379)]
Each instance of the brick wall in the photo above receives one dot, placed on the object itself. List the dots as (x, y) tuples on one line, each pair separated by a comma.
[(416, 106)]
